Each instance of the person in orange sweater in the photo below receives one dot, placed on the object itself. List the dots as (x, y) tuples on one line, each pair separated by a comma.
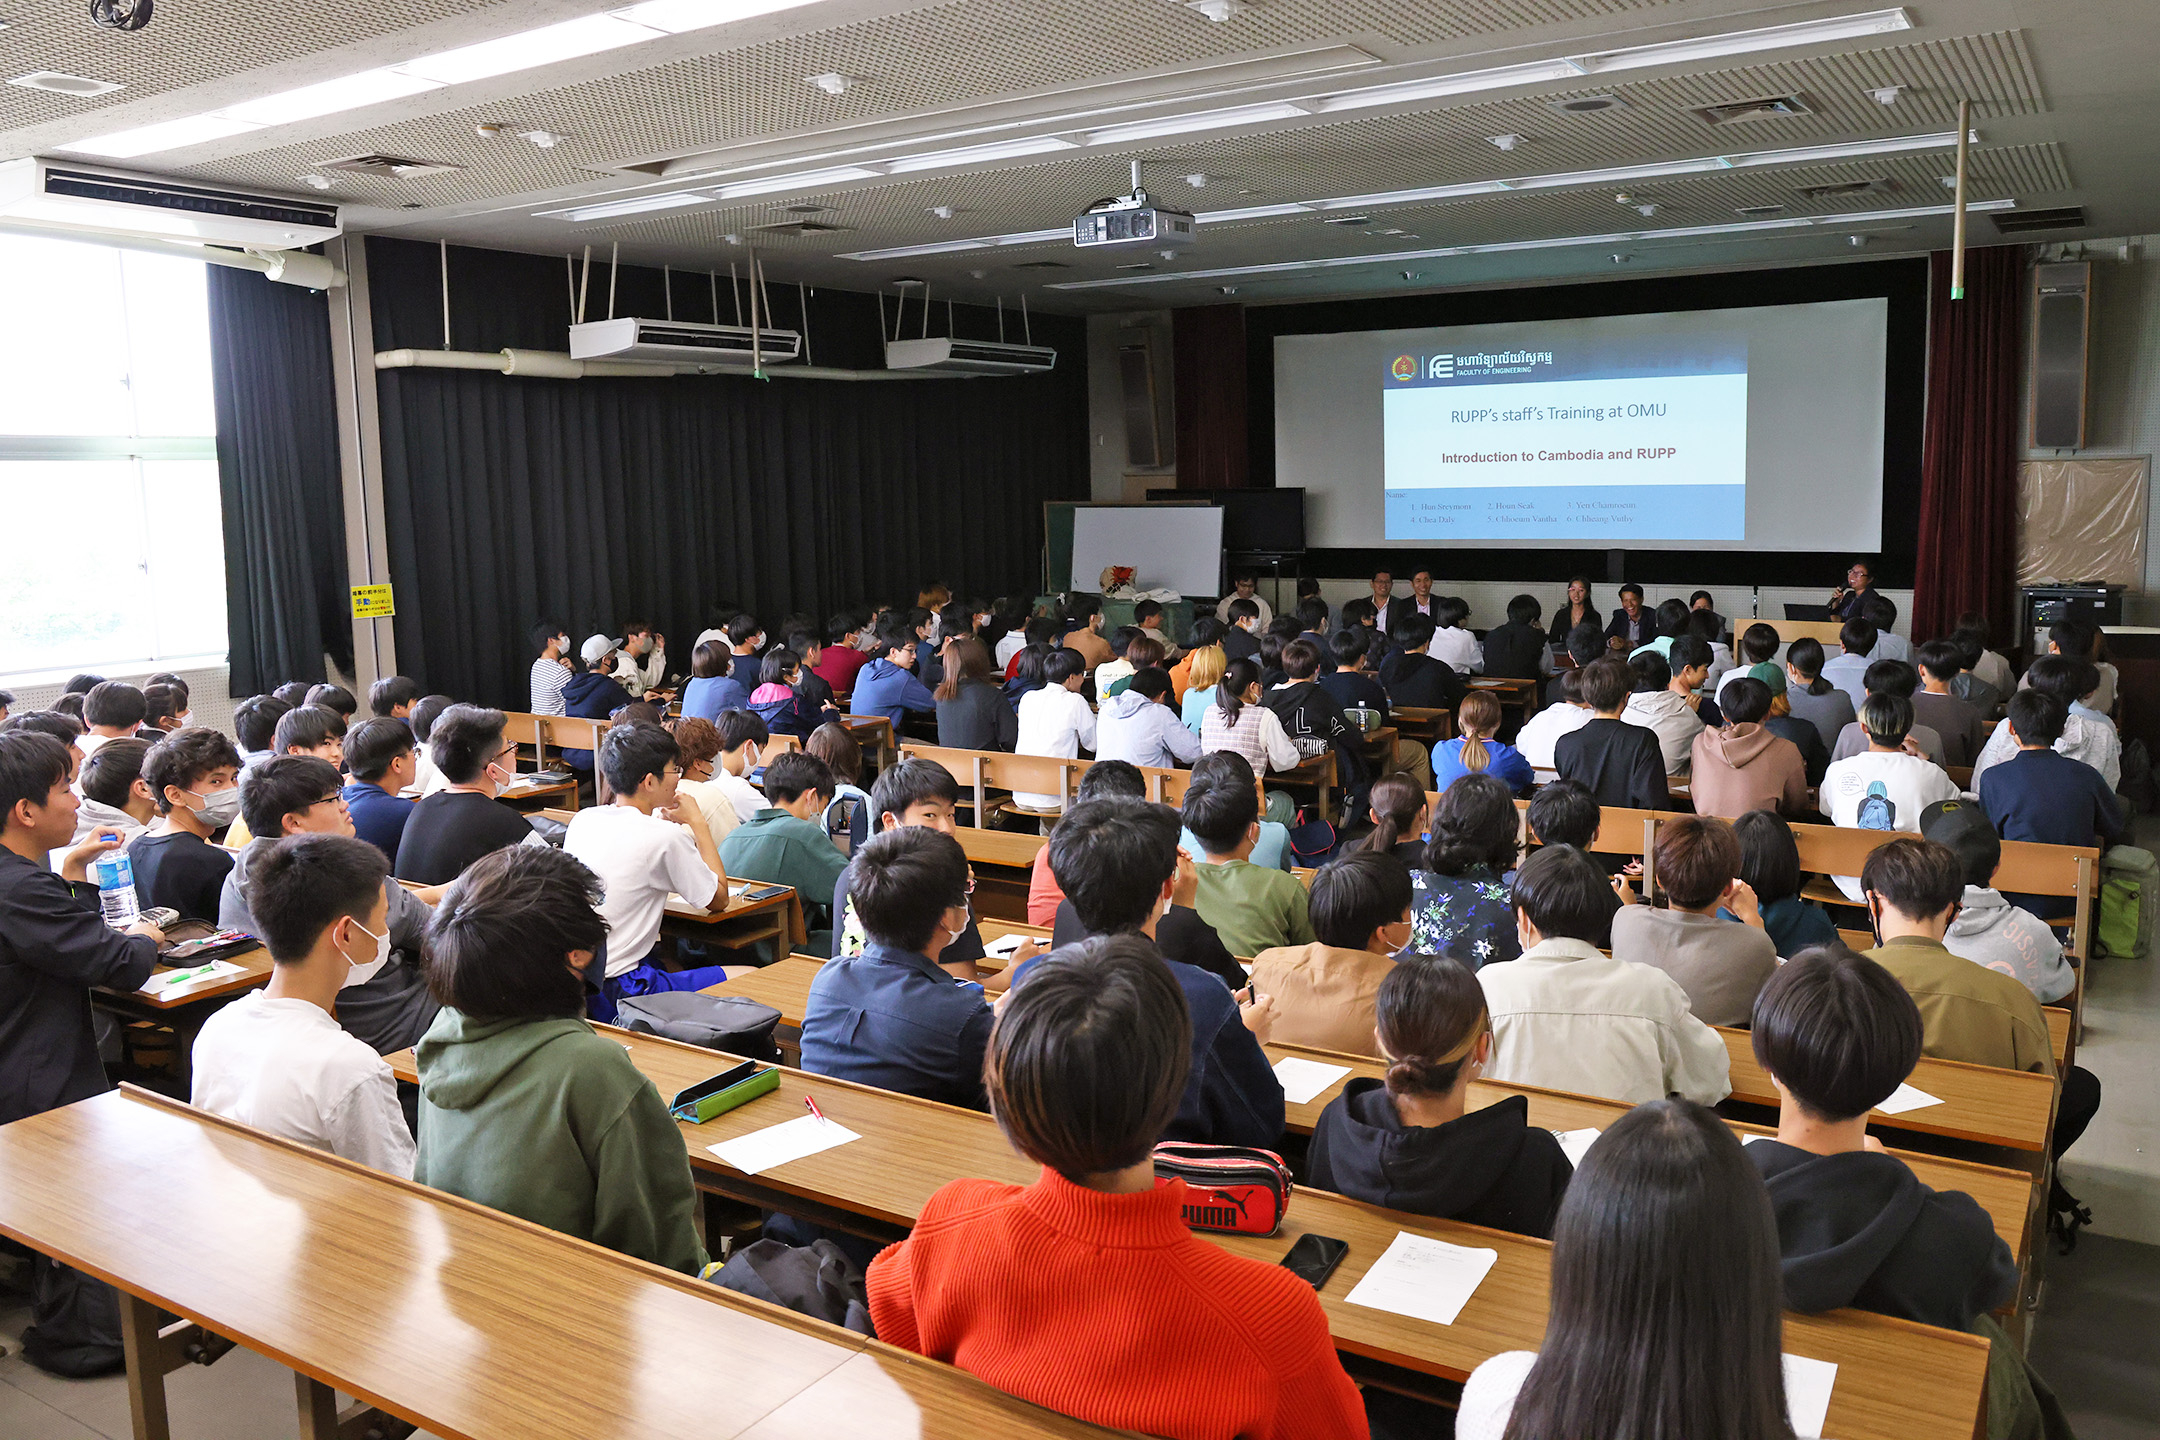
[(1085, 1292)]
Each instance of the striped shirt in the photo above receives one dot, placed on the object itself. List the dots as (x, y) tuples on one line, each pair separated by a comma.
[(548, 678)]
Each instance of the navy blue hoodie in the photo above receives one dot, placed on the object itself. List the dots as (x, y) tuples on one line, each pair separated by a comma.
[(589, 695), (1490, 1167)]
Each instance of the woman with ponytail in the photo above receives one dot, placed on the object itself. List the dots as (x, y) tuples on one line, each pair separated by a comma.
[(1477, 752), (1410, 1142), (1397, 810)]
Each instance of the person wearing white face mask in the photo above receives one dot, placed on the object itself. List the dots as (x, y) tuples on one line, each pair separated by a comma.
[(276, 1059), (463, 821), (384, 1003), (743, 736), (192, 775), (552, 670)]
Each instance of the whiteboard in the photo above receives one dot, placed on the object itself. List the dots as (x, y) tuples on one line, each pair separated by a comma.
[(1170, 547)]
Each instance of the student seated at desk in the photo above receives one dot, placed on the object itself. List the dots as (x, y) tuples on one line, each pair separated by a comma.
[(524, 1107), (114, 795), (786, 843), (743, 737), (1408, 1141), (889, 1015), (1086, 1292), (712, 688), (1452, 642), (1239, 723), (592, 694), (1813, 698), (1664, 700), (746, 647), (1989, 930), (888, 686), (1055, 720), (972, 712), (1251, 907), (550, 672), (426, 778), (1476, 751), (1720, 963), (1313, 721), (1962, 726), (1324, 992), (1138, 725), (1461, 906), (1413, 678), (1394, 823), (1562, 714), (1665, 1317), (2046, 798), (779, 699), (1118, 667), (1746, 765), (1886, 786), (2070, 639), (385, 1005), (193, 776), (383, 759), (916, 792), (1083, 632), (459, 823), (1977, 689), (1193, 679), (848, 814), (2086, 735), (697, 743), (1518, 649), (277, 1058), (392, 698), (1894, 677), (1619, 763), (1848, 668), (112, 710), (1585, 646), (1568, 1018), (1837, 1034), (1770, 866), (1969, 1013), (1118, 862), (648, 844)]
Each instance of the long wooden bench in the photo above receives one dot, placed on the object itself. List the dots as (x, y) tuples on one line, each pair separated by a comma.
[(464, 1321), (1896, 1380)]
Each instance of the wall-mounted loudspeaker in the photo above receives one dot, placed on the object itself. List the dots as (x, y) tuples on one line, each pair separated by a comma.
[(1136, 381), (2061, 331)]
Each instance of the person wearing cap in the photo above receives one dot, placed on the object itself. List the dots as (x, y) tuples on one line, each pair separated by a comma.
[(1989, 930), (1139, 725), (1814, 755), (592, 694)]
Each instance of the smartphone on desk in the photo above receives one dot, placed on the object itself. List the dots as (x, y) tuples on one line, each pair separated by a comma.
[(1314, 1257), (761, 892)]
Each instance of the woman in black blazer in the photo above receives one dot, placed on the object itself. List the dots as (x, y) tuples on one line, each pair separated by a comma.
[(1576, 611)]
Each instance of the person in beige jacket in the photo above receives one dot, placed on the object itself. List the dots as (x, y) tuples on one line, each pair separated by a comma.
[(1745, 767), (1325, 992), (1566, 1017)]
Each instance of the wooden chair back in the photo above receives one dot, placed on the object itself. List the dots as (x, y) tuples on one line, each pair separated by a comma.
[(1827, 631)]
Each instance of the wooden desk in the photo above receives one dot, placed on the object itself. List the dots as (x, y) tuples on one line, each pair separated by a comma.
[(874, 731), (1896, 1380), (2012, 1109), (1427, 727), (464, 1321), (1012, 848), (1004, 862), (184, 1008), (541, 797), (2007, 1195), (778, 918)]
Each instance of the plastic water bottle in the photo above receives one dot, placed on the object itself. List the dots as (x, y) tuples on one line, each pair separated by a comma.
[(115, 877)]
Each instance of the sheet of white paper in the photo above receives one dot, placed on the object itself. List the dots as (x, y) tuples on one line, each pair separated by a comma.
[(1303, 1080), (1576, 1143), (1424, 1279), (1907, 1097), (762, 1150), (195, 974), (1807, 1394)]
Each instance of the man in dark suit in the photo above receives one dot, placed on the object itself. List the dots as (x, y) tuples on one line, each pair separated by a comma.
[(1419, 601), (1632, 622)]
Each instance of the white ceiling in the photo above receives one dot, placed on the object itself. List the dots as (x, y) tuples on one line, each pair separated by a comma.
[(2063, 97)]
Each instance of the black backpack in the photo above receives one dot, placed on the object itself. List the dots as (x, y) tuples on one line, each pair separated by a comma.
[(735, 1024)]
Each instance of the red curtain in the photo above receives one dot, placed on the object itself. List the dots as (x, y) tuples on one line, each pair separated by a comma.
[(1969, 463), (1209, 346)]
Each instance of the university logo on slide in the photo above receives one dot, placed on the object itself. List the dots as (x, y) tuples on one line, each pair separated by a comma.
[(1405, 367), (1440, 367)]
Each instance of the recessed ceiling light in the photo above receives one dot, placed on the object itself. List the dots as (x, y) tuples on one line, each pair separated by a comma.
[(809, 180), (170, 135), (369, 87), (567, 40), (59, 84), (636, 205), (678, 17), (832, 82)]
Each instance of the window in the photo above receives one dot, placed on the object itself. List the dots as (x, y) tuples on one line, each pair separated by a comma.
[(108, 462)]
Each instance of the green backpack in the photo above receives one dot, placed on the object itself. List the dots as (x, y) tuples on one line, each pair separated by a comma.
[(2129, 898)]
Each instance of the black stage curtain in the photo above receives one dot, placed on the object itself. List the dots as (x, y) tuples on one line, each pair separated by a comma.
[(285, 591), (593, 501)]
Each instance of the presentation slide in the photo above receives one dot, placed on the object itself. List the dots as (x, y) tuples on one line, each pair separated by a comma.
[(1715, 429), (1614, 438)]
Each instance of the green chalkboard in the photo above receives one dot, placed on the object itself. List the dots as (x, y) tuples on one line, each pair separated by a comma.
[(1057, 544)]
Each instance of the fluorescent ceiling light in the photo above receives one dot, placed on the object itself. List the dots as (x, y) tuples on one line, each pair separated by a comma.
[(804, 180), (1197, 121), (1255, 212), (171, 135), (678, 17), (589, 35), (972, 154), (636, 205), (1746, 42), (1464, 82), (948, 247), (369, 87), (1860, 219)]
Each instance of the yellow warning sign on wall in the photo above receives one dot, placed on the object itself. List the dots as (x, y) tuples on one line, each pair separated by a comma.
[(372, 602)]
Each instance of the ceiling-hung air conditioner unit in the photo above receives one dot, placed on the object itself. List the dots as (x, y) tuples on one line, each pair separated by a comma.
[(677, 342), (947, 356), (86, 197)]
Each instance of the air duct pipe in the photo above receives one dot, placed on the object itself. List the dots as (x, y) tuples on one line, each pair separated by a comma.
[(289, 267), (558, 365)]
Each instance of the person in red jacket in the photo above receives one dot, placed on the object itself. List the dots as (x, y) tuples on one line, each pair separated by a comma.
[(1085, 1292)]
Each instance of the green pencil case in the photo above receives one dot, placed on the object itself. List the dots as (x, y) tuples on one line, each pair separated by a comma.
[(725, 1091)]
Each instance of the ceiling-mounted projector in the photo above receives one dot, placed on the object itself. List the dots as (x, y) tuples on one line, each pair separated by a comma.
[(1133, 219), (945, 356), (678, 342)]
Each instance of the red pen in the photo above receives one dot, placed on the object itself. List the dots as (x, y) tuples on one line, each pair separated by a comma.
[(812, 1103)]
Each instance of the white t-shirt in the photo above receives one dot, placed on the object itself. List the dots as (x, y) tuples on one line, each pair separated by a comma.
[(284, 1066), (1542, 732), (1053, 721), (713, 802), (639, 859), (1881, 790), (1011, 643), (746, 797), (1459, 648)]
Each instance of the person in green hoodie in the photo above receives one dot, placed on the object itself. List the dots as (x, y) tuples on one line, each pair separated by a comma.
[(524, 1107), (786, 844)]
